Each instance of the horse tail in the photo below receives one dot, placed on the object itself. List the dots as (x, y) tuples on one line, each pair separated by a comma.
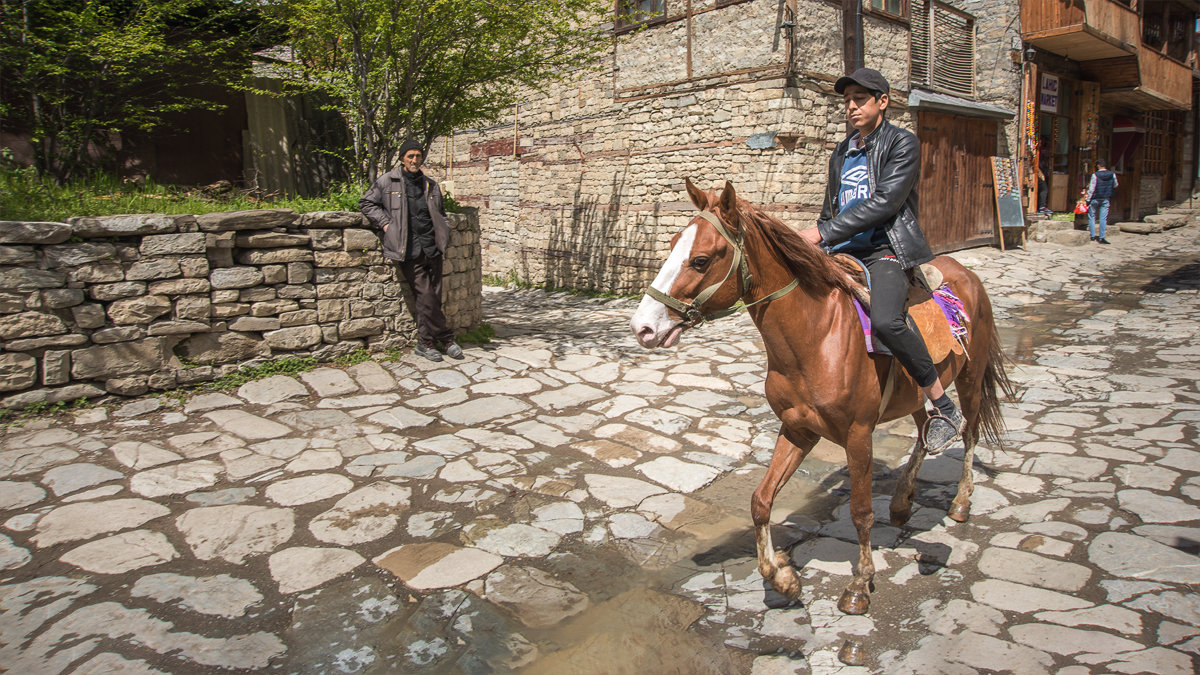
[(995, 380)]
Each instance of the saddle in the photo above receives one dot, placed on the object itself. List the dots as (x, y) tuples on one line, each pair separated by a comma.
[(924, 312)]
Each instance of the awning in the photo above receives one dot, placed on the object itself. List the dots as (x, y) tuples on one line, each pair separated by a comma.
[(929, 101)]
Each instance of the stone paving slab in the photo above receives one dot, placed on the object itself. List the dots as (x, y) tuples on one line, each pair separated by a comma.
[(563, 497)]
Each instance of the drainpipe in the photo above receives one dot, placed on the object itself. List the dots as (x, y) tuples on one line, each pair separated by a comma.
[(852, 35)]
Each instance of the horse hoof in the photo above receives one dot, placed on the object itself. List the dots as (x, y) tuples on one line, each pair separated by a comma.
[(854, 602), (959, 512), (786, 583), (901, 517)]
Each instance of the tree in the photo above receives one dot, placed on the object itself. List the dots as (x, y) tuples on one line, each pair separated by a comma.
[(398, 69), (75, 74)]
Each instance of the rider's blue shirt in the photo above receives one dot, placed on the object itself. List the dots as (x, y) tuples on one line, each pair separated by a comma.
[(855, 187)]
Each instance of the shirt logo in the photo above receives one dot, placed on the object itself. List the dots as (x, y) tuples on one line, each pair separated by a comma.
[(855, 185)]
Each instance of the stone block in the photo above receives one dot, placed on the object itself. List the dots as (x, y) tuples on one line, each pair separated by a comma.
[(357, 328), (89, 316), (221, 239), (220, 257), (179, 287), (121, 289), (360, 240), (52, 342), (62, 298), (153, 268), (141, 310), (74, 255), (194, 267), (178, 328), (329, 334), (11, 303), (17, 255), (254, 324), (271, 240), (18, 232), (123, 225), (100, 273), (127, 386), (299, 273), (56, 367), (30, 324), (225, 296), (107, 362), (257, 219), (256, 294), (1140, 228), (51, 395), (273, 307), (194, 374), (275, 274), (17, 371), (298, 292), (338, 290), (118, 334), (297, 318), (292, 339), (323, 240), (235, 277), (273, 256), (331, 310), (220, 348), (334, 219), (195, 307), (361, 308), (127, 253), (162, 380), (336, 259), (25, 278), (1169, 221), (327, 275), (224, 310)]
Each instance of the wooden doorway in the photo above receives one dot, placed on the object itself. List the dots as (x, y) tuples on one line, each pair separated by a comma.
[(957, 205)]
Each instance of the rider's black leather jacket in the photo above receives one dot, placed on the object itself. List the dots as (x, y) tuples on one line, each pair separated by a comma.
[(893, 169)]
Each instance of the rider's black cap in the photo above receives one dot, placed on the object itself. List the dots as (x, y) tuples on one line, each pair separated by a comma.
[(867, 78)]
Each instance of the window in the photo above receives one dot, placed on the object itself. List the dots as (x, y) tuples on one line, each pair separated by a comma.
[(942, 48), (894, 7), (1162, 129), (631, 12)]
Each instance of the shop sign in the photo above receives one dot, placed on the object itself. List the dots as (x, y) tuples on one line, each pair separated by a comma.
[(1049, 94)]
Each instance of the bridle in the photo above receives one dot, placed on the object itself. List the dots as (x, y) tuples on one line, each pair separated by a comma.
[(692, 316)]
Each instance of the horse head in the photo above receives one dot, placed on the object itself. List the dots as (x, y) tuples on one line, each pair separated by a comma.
[(705, 273)]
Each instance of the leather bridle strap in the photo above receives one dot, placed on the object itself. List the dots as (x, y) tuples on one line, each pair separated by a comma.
[(692, 316)]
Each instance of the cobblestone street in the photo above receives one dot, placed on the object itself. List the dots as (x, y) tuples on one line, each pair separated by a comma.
[(563, 501)]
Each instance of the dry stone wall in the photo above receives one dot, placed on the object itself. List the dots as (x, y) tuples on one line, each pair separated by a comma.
[(131, 303)]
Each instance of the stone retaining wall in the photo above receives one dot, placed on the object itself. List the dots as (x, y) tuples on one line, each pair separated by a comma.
[(127, 304)]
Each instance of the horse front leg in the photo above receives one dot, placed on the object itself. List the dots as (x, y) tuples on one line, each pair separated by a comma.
[(857, 596), (901, 509), (774, 565)]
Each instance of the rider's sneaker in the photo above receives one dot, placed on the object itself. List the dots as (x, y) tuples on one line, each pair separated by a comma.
[(941, 431)]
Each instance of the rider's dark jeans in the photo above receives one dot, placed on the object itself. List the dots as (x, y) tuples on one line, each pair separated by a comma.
[(889, 290)]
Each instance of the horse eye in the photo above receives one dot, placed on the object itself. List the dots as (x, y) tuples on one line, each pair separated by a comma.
[(699, 264)]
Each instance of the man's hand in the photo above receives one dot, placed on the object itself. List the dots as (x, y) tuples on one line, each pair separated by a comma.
[(812, 236)]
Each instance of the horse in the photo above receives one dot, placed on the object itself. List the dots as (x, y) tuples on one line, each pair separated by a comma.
[(821, 382)]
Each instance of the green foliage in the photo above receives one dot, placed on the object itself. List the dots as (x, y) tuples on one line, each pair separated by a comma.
[(392, 354), (288, 365), (510, 280), (479, 335), (76, 73), (353, 358), (26, 196), (447, 201), (1069, 215), (420, 68)]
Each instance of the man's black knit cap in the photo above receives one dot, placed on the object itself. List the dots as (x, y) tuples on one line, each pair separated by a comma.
[(410, 144), (867, 78)]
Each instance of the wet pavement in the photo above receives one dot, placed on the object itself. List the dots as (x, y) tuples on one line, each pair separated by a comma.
[(563, 501)]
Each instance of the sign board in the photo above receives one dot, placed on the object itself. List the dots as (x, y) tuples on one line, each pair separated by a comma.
[(1048, 96), (1009, 211)]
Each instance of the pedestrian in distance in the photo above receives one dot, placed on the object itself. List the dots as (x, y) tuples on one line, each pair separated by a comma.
[(406, 206), (870, 212), (1100, 190)]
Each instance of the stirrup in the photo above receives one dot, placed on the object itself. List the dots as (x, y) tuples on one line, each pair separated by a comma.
[(935, 445)]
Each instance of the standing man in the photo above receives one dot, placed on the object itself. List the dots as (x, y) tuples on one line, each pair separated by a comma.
[(1100, 190), (407, 206), (870, 212)]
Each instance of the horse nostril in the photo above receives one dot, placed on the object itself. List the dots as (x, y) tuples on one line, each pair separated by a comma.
[(644, 332)]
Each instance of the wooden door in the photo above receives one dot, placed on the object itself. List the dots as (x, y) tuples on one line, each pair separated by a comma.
[(957, 205)]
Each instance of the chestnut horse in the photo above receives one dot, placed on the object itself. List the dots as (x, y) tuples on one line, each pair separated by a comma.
[(821, 381)]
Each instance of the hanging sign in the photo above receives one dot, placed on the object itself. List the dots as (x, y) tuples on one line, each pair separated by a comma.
[(1049, 94)]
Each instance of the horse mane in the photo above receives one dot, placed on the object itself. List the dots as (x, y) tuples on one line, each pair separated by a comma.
[(813, 268)]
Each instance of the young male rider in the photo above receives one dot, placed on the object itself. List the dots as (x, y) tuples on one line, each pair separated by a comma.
[(870, 212)]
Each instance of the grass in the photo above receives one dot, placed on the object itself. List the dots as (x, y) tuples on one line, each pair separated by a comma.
[(480, 335), (514, 280), (288, 365), (353, 358)]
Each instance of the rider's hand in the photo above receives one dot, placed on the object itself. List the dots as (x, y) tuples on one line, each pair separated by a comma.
[(812, 236)]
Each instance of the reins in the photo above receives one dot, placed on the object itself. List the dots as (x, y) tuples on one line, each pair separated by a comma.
[(692, 316)]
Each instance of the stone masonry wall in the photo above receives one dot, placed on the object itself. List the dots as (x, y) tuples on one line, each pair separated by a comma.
[(127, 304)]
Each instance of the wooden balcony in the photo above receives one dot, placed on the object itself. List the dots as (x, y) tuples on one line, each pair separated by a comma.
[(1081, 30), (1147, 81)]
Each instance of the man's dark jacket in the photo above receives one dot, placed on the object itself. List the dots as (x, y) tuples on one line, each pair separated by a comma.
[(386, 204), (893, 170)]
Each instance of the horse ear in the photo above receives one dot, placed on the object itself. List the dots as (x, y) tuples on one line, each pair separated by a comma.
[(699, 197), (728, 201)]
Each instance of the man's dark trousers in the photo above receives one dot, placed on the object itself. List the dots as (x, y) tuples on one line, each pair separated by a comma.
[(424, 275)]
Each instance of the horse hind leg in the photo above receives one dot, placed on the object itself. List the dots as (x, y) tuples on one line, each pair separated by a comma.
[(970, 399), (856, 599), (774, 565), (901, 508)]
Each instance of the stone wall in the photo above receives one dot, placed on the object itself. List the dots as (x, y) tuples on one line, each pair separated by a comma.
[(127, 304)]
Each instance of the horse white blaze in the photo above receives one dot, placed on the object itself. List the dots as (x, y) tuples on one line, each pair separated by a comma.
[(651, 324)]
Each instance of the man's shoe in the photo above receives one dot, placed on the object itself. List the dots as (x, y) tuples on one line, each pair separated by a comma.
[(454, 351), (941, 431), (428, 352), (1092, 238), (1102, 240)]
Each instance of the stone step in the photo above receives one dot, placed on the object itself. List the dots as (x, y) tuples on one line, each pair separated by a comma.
[(1064, 237), (1167, 220), (1140, 228)]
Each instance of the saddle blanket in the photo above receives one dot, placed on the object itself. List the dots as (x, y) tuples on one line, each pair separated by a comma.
[(952, 308)]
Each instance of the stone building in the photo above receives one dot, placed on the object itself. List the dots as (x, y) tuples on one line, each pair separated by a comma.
[(583, 186)]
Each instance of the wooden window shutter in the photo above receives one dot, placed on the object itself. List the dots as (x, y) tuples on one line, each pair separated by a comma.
[(942, 46)]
